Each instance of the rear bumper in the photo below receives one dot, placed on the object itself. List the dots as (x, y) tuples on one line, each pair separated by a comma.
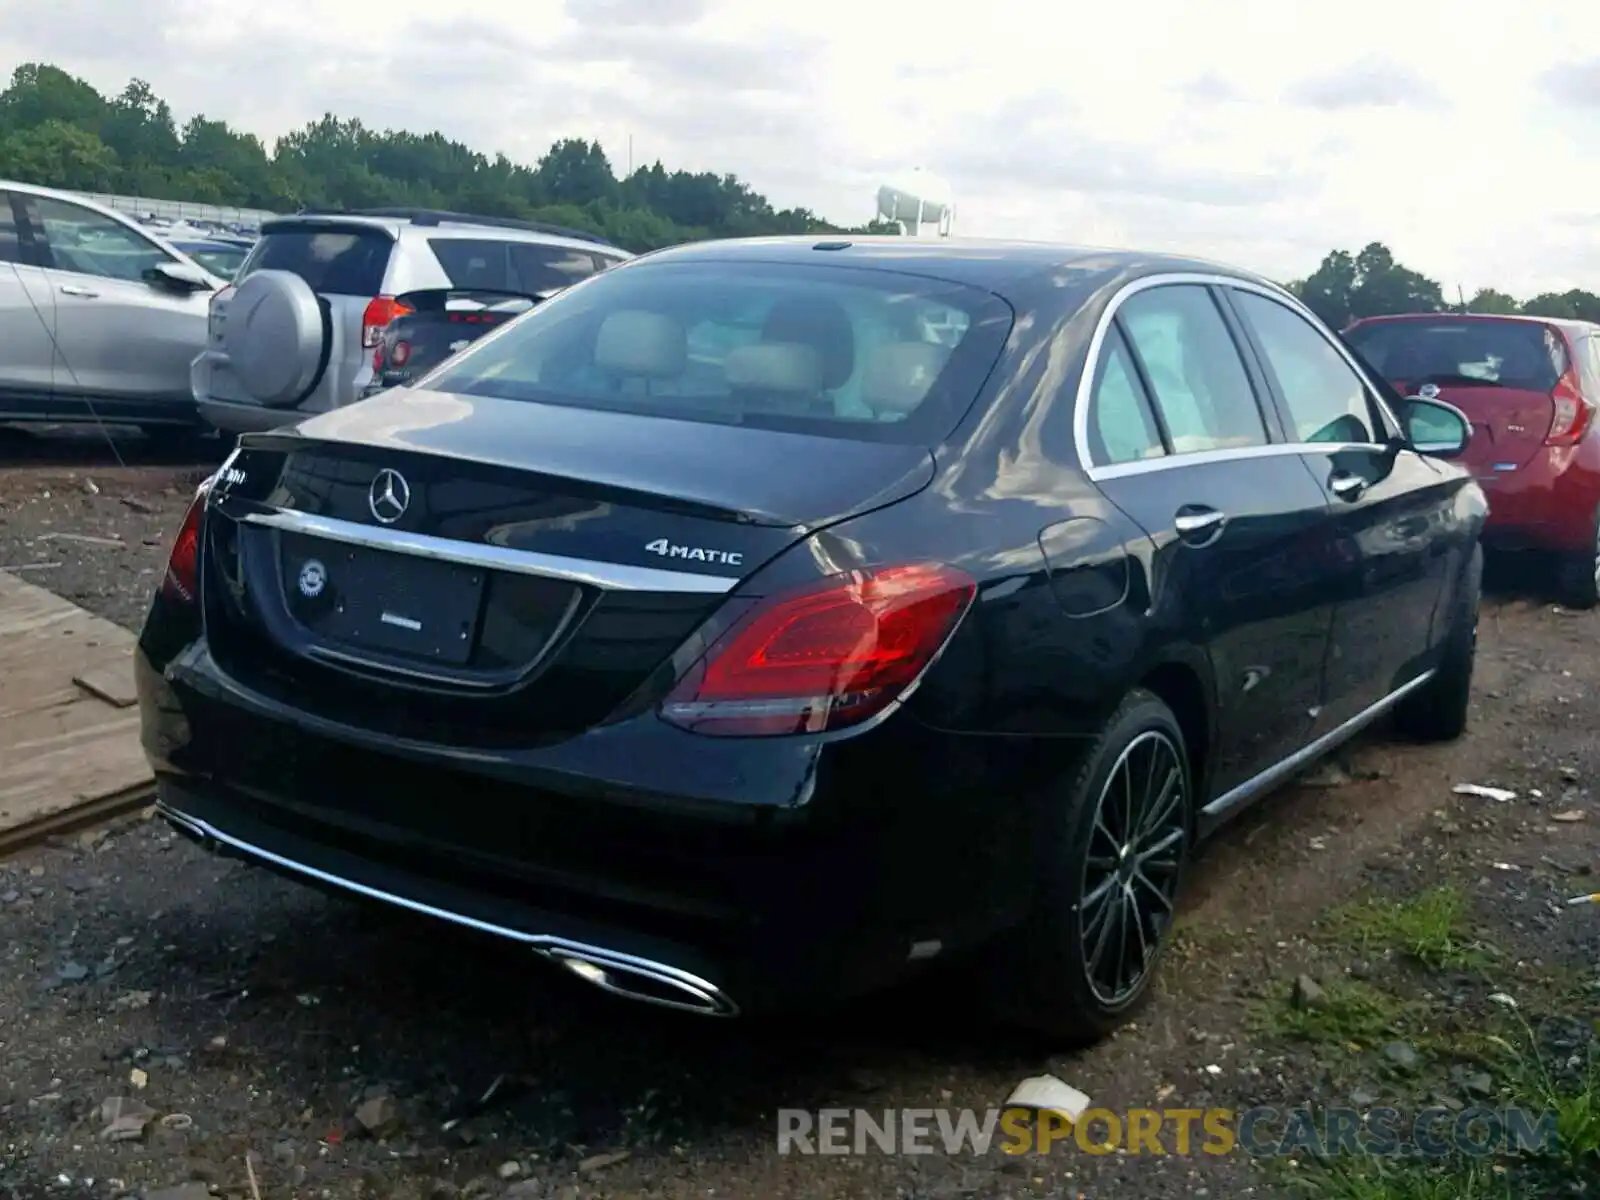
[(726, 874), (231, 417), (1547, 504), (641, 975)]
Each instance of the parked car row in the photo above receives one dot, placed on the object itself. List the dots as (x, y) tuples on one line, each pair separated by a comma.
[(759, 622), (105, 319)]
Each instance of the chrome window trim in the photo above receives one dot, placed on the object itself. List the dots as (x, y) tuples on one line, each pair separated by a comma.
[(1167, 462), (616, 577)]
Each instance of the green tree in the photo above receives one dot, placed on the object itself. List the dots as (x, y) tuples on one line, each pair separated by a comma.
[(58, 130), (1346, 287), (1575, 305), (67, 156), (1488, 300), (39, 93)]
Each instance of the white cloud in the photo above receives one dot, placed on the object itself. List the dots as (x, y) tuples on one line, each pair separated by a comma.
[(1247, 130)]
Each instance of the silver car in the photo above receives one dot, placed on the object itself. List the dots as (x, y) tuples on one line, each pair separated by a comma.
[(297, 331), (99, 319)]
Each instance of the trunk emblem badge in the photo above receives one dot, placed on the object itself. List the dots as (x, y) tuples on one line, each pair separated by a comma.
[(1429, 391), (388, 496), (313, 578)]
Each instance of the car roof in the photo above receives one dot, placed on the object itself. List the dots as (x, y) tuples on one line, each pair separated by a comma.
[(462, 227), (1566, 323), (995, 265)]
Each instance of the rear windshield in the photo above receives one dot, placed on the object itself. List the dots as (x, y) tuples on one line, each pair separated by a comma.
[(333, 260), (1476, 352), (513, 266), (843, 352)]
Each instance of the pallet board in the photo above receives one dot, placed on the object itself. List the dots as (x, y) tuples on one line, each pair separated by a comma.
[(69, 734)]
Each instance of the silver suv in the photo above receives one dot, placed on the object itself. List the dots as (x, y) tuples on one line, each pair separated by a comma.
[(297, 331)]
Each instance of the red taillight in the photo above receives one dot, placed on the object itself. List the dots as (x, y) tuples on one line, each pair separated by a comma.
[(182, 581), (380, 311), (823, 657), (1572, 415)]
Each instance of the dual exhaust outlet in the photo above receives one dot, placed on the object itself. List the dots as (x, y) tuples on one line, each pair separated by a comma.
[(625, 975)]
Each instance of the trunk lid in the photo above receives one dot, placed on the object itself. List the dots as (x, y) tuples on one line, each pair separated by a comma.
[(1501, 372), (1508, 424), (487, 572)]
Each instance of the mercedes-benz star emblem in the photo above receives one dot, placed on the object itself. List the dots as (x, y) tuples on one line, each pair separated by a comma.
[(388, 496)]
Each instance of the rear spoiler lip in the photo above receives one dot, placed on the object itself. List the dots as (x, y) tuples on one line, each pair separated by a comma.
[(444, 294)]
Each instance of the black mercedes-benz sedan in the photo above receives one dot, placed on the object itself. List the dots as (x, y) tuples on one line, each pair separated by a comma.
[(759, 620)]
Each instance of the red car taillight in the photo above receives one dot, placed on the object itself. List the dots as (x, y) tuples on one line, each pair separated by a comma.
[(182, 581), (380, 311), (823, 657), (1572, 415)]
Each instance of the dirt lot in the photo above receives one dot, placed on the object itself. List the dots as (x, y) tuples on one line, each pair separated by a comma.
[(261, 1036)]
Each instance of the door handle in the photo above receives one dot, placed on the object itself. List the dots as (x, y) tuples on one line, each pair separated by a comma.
[(1193, 521), (72, 289), (1347, 486)]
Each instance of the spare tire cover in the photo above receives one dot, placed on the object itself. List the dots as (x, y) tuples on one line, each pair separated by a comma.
[(273, 337)]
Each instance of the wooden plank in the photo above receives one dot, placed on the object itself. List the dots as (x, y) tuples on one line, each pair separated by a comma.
[(69, 734), (113, 684)]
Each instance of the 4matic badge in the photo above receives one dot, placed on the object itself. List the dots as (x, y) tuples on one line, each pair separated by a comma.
[(668, 549)]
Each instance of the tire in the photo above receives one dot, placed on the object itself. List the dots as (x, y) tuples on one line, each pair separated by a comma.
[(1056, 976), (1437, 711), (1578, 575)]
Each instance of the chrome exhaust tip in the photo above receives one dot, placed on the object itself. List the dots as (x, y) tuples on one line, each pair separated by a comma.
[(644, 981)]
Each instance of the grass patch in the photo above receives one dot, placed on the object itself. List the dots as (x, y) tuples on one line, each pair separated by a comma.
[(1348, 1012), (1559, 1083), (1430, 928), (1410, 1181)]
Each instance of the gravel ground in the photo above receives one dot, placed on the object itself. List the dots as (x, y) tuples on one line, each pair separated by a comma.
[(261, 1036)]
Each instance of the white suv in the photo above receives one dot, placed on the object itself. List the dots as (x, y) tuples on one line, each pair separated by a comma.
[(296, 332)]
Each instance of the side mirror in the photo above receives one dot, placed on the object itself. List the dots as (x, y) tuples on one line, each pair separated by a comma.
[(177, 277), (1435, 428)]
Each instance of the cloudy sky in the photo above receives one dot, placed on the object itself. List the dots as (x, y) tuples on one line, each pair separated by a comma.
[(1464, 135)]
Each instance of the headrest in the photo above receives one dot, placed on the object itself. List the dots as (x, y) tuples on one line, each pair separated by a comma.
[(774, 367), (898, 375), (636, 342), (821, 324)]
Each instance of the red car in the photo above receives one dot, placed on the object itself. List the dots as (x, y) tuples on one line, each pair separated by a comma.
[(1530, 387)]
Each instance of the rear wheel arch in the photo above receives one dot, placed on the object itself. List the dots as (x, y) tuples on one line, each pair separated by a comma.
[(1184, 685)]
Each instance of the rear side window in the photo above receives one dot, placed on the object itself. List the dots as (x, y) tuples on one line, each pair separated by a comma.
[(842, 352), (1588, 364), (528, 267), (1195, 374), (10, 234), (1122, 428), (334, 260), (1526, 355), (539, 268), (1326, 396), (470, 263)]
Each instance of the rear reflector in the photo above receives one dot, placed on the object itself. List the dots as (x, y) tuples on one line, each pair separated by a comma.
[(824, 657), (380, 311)]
